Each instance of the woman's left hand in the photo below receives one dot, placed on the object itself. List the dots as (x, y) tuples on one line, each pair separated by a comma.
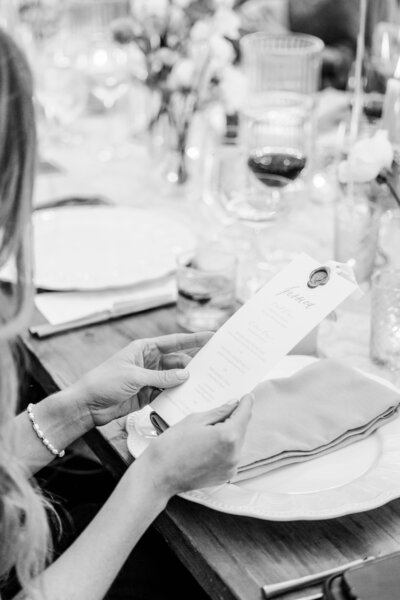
[(134, 376)]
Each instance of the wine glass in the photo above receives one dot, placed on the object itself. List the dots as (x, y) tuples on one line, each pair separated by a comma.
[(385, 54), (276, 138), (62, 93), (380, 64), (8, 16), (274, 146), (106, 68), (60, 90), (258, 181)]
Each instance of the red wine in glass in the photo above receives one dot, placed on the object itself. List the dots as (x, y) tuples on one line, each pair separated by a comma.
[(276, 167), (373, 106)]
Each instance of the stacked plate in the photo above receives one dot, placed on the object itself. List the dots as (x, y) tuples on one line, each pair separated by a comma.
[(353, 479), (93, 248)]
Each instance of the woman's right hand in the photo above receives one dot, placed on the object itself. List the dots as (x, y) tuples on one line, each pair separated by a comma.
[(202, 450)]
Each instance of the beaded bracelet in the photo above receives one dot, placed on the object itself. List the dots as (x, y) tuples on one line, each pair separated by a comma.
[(41, 436)]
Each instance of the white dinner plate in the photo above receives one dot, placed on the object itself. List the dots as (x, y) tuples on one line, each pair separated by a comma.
[(354, 479), (91, 248)]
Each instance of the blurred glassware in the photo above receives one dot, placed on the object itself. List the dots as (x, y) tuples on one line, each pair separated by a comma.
[(264, 238), (275, 140), (283, 76), (43, 18), (8, 16), (379, 66), (372, 101), (255, 182), (61, 88), (265, 15), (106, 67), (289, 63), (276, 245), (107, 132), (357, 222), (385, 53), (253, 178), (90, 17), (206, 282), (389, 239), (379, 69), (391, 107), (385, 318), (361, 203)]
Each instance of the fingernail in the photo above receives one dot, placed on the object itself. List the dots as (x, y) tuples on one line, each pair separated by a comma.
[(182, 374)]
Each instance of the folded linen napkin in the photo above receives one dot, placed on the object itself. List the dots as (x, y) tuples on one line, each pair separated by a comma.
[(59, 307), (323, 407)]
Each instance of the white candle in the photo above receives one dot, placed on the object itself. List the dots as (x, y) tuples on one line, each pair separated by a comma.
[(391, 110), (358, 90)]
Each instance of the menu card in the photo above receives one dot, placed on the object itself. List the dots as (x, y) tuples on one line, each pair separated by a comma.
[(255, 339)]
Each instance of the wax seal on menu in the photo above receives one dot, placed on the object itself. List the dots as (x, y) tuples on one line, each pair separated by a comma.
[(319, 277)]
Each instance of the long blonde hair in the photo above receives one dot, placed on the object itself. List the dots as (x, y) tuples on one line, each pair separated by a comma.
[(24, 533)]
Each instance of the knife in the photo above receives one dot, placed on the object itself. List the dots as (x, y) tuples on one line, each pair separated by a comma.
[(277, 589), (117, 310), (73, 201)]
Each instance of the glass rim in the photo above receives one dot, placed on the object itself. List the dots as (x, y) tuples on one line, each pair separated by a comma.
[(314, 44), (189, 254)]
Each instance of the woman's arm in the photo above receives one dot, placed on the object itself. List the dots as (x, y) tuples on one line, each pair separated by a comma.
[(62, 417), (88, 568), (124, 383), (201, 450)]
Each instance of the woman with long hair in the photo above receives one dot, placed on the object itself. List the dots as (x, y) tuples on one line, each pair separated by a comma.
[(202, 450)]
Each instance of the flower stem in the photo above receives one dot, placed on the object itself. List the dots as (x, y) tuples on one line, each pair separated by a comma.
[(385, 179), (393, 192)]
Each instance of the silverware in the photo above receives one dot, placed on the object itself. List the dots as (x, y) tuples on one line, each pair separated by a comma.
[(277, 589), (74, 201), (119, 309), (316, 596), (49, 167)]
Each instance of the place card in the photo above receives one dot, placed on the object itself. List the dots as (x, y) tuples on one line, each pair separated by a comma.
[(257, 337)]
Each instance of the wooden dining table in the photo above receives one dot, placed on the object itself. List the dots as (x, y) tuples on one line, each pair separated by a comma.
[(230, 556)]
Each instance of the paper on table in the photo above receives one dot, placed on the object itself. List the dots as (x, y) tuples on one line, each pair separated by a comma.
[(59, 307), (254, 339)]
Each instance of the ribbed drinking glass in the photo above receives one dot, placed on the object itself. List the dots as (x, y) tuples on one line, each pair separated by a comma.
[(289, 63), (385, 318)]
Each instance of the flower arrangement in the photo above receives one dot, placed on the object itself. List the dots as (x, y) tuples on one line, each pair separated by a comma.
[(371, 159), (188, 50)]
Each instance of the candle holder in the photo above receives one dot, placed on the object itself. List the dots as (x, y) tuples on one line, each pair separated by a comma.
[(357, 221), (391, 108), (385, 318)]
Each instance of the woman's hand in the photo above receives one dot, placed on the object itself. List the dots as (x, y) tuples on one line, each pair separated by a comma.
[(200, 451), (133, 377)]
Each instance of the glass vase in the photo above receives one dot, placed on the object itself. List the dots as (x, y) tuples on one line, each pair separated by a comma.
[(177, 149), (357, 220), (168, 148)]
